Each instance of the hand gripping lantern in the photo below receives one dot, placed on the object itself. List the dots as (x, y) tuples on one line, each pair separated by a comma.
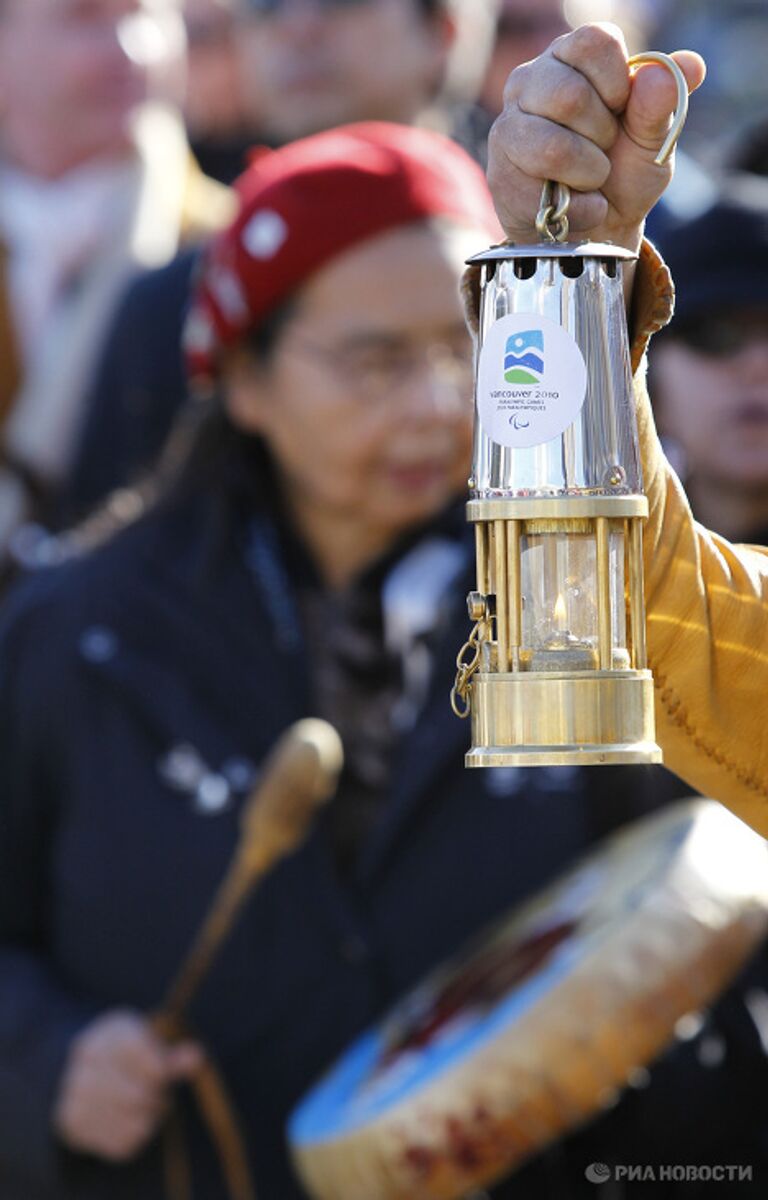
[(554, 671)]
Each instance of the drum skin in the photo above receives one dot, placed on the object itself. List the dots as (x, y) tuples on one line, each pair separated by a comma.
[(535, 1026)]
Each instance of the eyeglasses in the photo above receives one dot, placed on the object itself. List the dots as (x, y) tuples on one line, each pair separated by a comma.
[(721, 335), (378, 371)]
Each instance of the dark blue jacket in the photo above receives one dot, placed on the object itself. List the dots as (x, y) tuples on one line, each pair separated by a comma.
[(173, 637)]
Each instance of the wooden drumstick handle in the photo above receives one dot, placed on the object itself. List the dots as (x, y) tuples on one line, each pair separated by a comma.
[(299, 775)]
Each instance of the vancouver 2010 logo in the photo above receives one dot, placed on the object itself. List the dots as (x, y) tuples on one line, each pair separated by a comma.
[(527, 392), (524, 357)]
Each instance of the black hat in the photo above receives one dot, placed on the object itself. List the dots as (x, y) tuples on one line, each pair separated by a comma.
[(719, 260)]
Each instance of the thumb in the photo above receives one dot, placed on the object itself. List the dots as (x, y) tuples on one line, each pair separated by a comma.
[(653, 98), (183, 1060)]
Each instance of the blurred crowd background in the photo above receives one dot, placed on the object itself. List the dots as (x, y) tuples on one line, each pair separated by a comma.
[(124, 122)]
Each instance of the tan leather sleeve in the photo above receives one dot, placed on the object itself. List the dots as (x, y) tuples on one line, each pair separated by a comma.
[(707, 606)]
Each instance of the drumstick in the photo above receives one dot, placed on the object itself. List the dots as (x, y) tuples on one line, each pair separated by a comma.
[(299, 775)]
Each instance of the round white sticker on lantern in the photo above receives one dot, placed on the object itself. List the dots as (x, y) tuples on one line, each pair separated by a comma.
[(531, 380)]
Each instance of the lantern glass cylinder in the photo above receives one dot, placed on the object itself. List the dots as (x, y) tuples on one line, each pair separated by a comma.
[(560, 602)]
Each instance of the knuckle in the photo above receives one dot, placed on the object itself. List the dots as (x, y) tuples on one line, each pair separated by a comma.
[(501, 148), (570, 97), (596, 39), (587, 210), (552, 152), (517, 81), (608, 135), (496, 140), (600, 170)]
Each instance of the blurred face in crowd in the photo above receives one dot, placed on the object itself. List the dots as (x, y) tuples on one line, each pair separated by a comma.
[(321, 63), (73, 72), (524, 29), (366, 399), (710, 390), (215, 103)]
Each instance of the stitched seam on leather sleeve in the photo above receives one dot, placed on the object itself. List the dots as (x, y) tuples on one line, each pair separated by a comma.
[(677, 714)]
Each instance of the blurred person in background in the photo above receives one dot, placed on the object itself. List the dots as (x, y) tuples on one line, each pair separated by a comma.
[(524, 28), (313, 64), (746, 149), (733, 37), (221, 107), (321, 63), (96, 181), (710, 365)]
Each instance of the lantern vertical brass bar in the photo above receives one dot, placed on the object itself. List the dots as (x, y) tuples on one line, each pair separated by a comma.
[(515, 593), (636, 598), (625, 541), (604, 641), (491, 652), (481, 553), (502, 606)]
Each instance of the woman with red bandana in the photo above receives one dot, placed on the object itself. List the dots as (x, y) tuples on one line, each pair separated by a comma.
[(332, 369)]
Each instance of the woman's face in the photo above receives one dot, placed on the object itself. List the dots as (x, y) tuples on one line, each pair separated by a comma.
[(366, 401)]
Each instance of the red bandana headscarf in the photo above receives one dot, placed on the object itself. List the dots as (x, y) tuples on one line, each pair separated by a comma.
[(302, 205)]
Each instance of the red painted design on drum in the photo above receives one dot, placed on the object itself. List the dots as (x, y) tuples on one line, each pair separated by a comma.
[(474, 1148), (477, 985)]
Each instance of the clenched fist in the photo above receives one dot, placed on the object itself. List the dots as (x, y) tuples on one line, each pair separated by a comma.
[(115, 1086), (579, 116)]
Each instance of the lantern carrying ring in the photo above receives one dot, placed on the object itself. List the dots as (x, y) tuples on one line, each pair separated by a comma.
[(552, 217)]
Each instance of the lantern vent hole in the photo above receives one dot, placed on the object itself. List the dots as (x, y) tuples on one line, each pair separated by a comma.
[(572, 267), (525, 268)]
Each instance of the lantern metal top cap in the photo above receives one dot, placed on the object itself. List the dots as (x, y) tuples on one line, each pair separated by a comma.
[(510, 250)]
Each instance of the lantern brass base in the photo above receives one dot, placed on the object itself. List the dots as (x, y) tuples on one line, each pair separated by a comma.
[(562, 719)]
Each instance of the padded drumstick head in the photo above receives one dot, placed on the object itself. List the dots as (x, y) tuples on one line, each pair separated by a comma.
[(299, 775)]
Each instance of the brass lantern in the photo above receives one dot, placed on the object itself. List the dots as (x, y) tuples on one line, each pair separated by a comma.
[(555, 668)]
